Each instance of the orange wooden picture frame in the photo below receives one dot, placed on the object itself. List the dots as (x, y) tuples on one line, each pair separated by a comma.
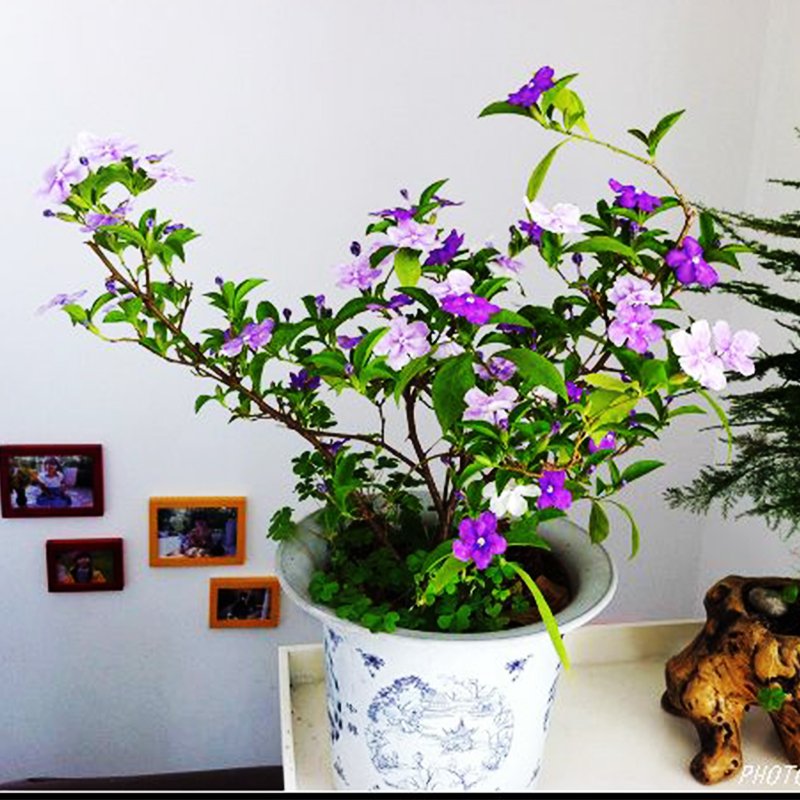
[(273, 588), (196, 504)]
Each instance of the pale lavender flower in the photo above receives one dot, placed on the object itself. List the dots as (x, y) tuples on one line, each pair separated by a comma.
[(457, 281), (505, 267), (159, 171), (696, 357), (233, 345), (492, 408), (446, 349), (403, 342), (562, 218), (95, 220), (412, 234), (497, 368), (114, 302), (256, 335), (735, 349), (634, 324), (634, 291), (100, 151), (62, 176), (61, 300), (358, 274)]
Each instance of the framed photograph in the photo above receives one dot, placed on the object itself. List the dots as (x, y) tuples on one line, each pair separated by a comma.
[(197, 531), (84, 565), (245, 603), (54, 480)]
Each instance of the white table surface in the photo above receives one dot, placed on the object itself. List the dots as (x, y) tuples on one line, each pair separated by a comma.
[(608, 731)]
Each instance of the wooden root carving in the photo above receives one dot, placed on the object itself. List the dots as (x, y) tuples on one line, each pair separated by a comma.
[(717, 677)]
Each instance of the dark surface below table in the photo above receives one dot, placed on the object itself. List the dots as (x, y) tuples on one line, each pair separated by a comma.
[(239, 779)]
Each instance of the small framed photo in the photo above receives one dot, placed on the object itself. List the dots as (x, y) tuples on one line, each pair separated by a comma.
[(245, 603), (54, 480), (84, 565), (197, 531)]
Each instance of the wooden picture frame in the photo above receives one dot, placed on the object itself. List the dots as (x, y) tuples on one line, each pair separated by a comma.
[(244, 602), (51, 480), (197, 531), (84, 565)]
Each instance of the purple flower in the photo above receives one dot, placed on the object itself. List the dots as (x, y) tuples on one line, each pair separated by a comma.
[(355, 248), (445, 254), (348, 342), (99, 151), (497, 368), (319, 302), (735, 349), (258, 335), (479, 540), (508, 327), (334, 447), (505, 267), (403, 342), (443, 201), (696, 357), (111, 286), (62, 176), (303, 381), (634, 291), (456, 282), (554, 495), (577, 259), (492, 408), (608, 442), (158, 171), (533, 230), (397, 213), (689, 264), (177, 226), (95, 220), (530, 93), (628, 197), (475, 309), (399, 300), (555, 429), (219, 280), (446, 348), (574, 392), (61, 300), (634, 323)]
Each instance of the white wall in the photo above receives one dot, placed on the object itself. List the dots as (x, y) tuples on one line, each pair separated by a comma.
[(296, 119)]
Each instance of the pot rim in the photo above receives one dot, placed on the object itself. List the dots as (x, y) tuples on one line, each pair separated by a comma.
[(591, 571)]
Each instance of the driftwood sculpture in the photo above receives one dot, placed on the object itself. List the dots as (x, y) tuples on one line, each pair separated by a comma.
[(749, 643)]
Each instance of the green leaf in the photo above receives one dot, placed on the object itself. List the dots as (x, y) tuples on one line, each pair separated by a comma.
[(510, 318), (771, 698), (540, 172), (76, 313), (453, 380), (524, 532), (603, 244), (504, 107), (604, 381), (660, 130), (438, 554), (634, 527), (535, 367), (789, 593), (407, 266), (281, 526), (680, 410), (246, 287), (639, 468), (408, 373), (430, 191), (201, 401), (363, 349), (723, 418), (547, 615), (640, 135), (445, 574), (598, 523)]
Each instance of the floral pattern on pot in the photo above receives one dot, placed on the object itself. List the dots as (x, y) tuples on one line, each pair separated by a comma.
[(451, 738)]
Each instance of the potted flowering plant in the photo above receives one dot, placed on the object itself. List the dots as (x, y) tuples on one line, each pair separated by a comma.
[(461, 542)]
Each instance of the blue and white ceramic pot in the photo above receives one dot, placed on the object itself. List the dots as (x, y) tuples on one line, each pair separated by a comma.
[(419, 711)]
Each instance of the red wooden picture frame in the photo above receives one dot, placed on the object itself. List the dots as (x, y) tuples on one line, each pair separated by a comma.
[(14, 487), (103, 574)]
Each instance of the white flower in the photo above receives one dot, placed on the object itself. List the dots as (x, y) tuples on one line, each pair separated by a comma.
[(505, 267), (512, 500), (543, 393), (563, 218), (445, 349)]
